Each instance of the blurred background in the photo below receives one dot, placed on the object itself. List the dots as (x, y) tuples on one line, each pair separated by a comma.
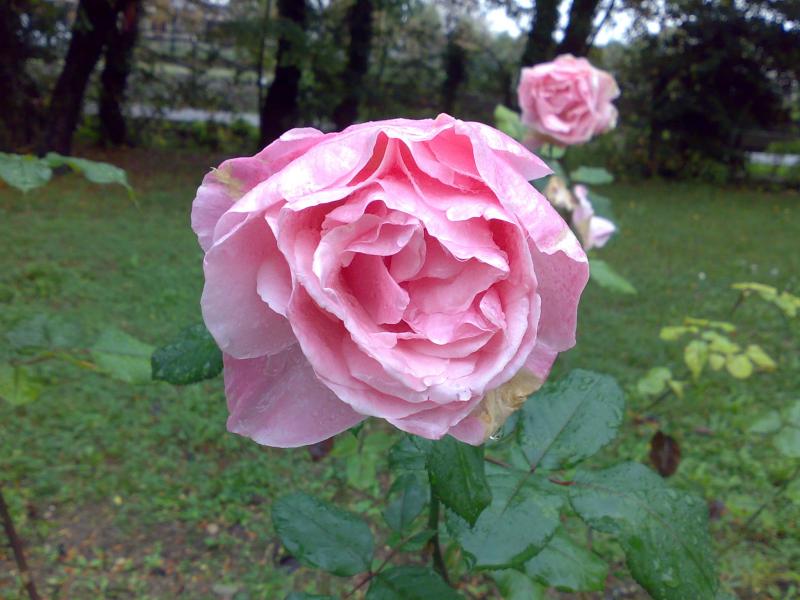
[(706, 83), (129, 488)]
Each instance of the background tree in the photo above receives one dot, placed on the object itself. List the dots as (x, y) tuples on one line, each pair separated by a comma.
[(280, 109), (359, 25), (578, 33), (94, 21), (117, 68)]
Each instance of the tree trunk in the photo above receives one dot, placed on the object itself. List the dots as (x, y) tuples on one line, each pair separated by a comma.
[(539, 45), (118, 64), (359, 21), (455, 69), (20, 110), (579, 29), (279, 111), (93, 21)]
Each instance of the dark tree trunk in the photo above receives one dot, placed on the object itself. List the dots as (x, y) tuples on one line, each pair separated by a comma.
[(455, 69), (280, 109), (118, 64), (20, 110), (93, 21), (359, 22), (539, 45), (579, 29)]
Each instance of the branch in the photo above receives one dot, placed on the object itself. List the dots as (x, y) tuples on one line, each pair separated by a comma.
[(16, 546)]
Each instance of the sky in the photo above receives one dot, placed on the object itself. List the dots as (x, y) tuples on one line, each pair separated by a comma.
[(614, 29)]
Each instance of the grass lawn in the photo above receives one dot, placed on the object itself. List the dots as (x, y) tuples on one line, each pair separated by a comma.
[(137, 491)]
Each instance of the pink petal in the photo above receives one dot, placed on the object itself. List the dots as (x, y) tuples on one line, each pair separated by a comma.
[(222, 187), (278, 401), (241, 323)]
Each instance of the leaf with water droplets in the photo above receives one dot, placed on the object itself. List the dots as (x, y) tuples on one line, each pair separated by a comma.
[(567, 566), (410, 583), (518, 523), (456, 473), (193, 356), (568, 421), (663, 531)]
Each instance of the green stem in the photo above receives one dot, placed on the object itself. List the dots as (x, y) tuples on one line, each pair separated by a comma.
[(433, 523)]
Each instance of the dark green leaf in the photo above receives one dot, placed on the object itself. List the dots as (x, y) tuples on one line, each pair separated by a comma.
[(323, 535), (409, 454), (567, 421), (44, 331), (413, 544), (193, 356), (592, 176), (663, 531), (457, 477), (410, 583), (508, 121), (24, 172), (605, 276), (522, 517), (568, 567), (305, 596), (412, 496), (17, 386), (514, 585), (122, 356)]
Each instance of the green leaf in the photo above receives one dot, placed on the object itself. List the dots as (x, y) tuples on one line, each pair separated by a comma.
[(671, 333), (457, 477), (413, 544), (122, 356), (739, 366), (788, 440), (592, 175), (24, 172), (193, 356), (605, 276), (654, 382), (663, 531), (769, 423), (567, 421), (522, 517), (514, 585), (508, 121), (322, 535), (44, 331), (17, 387), (410, 583), (760, 358), (305, 596), (695, 355), (412, 498), (96, 172), (409, 454), (568, 567)]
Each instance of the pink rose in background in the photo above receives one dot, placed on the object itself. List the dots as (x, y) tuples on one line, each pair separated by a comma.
[(594, 231), (567, 101), (399, 269)]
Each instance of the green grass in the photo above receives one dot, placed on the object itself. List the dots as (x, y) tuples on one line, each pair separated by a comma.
[(124, 491)]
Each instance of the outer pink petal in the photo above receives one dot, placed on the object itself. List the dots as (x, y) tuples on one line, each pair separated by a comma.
[(278, 401), (222, 187), (240, 321)]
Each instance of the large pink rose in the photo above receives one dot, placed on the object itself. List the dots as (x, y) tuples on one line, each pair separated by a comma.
[(399, 269), (567, 101)]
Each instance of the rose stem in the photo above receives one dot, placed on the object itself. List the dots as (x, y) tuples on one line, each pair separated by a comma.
[(16, 546), (433, 523)]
